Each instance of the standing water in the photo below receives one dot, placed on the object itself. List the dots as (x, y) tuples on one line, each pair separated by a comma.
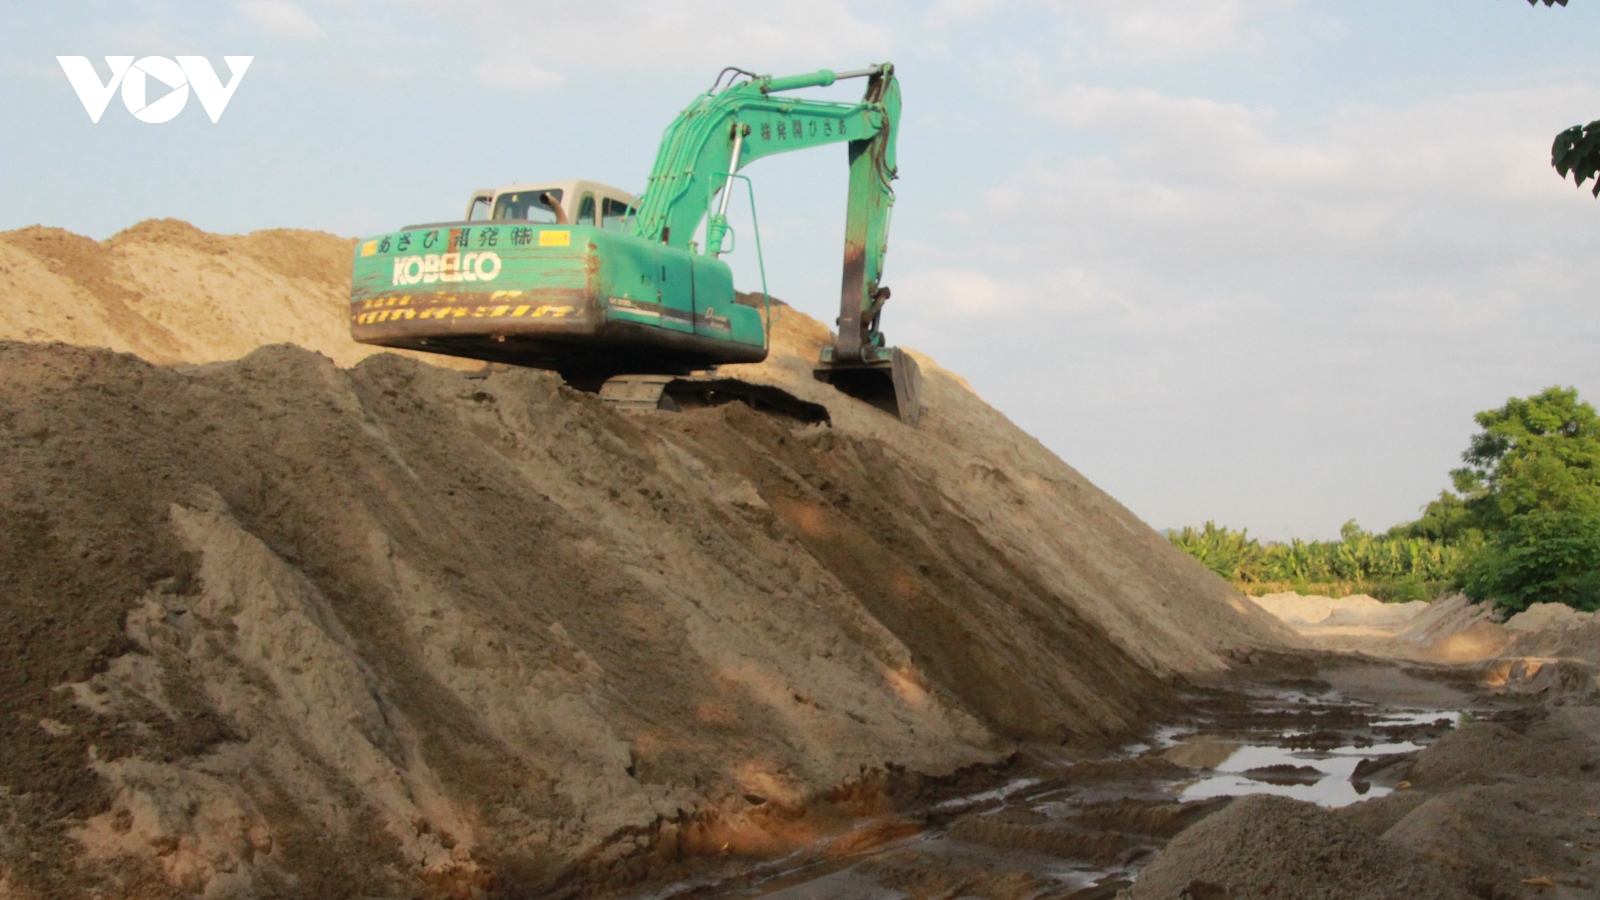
[(1082, 828)]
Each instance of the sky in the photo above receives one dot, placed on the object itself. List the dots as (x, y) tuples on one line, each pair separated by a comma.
[(1250, 261)]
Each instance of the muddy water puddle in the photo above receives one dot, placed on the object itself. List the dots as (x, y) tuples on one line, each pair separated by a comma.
[(1081, 828), (1326, 772)]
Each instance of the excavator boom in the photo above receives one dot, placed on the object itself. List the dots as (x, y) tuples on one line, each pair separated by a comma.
[(726, 130)]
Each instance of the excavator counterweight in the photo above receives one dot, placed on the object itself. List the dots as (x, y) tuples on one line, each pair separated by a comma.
[(596, 284)]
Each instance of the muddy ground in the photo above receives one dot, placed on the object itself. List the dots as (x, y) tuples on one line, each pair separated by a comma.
[(1443, 787)]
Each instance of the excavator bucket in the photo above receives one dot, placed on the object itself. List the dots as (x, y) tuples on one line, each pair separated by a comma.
[(892, 383)]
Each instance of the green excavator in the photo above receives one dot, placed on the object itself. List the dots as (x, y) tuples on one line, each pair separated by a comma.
[(613, 291)]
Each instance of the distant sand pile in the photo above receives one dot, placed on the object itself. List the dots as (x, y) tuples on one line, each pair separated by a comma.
[(169, 292), (1547, 645), (1555, 631), (281, 628), (1313, 613)]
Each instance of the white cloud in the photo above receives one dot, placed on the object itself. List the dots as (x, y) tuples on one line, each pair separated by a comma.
[(673, 35), (1170, 29), (1142, 31), (971, 294), (947, 12), (149, 37), (281, 18), (1136, 31), (518, 75), (1191, 137), (950, 293), (1360, 175)]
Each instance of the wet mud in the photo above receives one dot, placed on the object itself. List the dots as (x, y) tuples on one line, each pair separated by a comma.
[(1052, 822)]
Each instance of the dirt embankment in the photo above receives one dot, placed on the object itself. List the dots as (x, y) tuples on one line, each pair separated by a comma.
[(282, 628)]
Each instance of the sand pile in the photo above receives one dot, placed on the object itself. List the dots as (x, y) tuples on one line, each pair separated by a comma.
[(283, 628), (170, 292), (1547, 647), (1556, 631), (1308, 613), (1505, 808), (1451, 629), (1263, 846)]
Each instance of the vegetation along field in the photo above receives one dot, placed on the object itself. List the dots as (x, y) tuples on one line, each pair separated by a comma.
[(1521, 527)]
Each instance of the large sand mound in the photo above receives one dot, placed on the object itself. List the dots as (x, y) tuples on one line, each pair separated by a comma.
[(279, 627)]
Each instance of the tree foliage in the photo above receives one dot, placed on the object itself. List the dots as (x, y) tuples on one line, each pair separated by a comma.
[(1392, 566), (1541, 557), (1534, 454), (1577, 152), (1532, 484)]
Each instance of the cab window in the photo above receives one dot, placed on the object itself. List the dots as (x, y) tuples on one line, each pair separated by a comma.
[(480, 209), (527, 205), (614, 214), (585, 211)]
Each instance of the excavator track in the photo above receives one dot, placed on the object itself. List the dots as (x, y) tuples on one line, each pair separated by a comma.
[(673, 393)]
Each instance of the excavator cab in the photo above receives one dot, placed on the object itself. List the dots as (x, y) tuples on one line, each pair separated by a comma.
[(554, 203)]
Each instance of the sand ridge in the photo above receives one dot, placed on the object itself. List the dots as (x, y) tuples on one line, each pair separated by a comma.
[(287, 610), (170, 292)]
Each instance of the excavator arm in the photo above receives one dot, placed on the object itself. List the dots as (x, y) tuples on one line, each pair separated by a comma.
[(726, 129)]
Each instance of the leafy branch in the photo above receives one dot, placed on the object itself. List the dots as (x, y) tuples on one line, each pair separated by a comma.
[(1577, 150)]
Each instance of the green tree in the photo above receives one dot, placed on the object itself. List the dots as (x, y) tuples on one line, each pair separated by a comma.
[(1445, 519), (1541, 557), (1524, 527), (1233, 555), (1540, 453), (1532, 483)]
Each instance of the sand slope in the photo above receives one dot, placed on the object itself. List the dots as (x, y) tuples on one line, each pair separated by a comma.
[(287, 628)]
